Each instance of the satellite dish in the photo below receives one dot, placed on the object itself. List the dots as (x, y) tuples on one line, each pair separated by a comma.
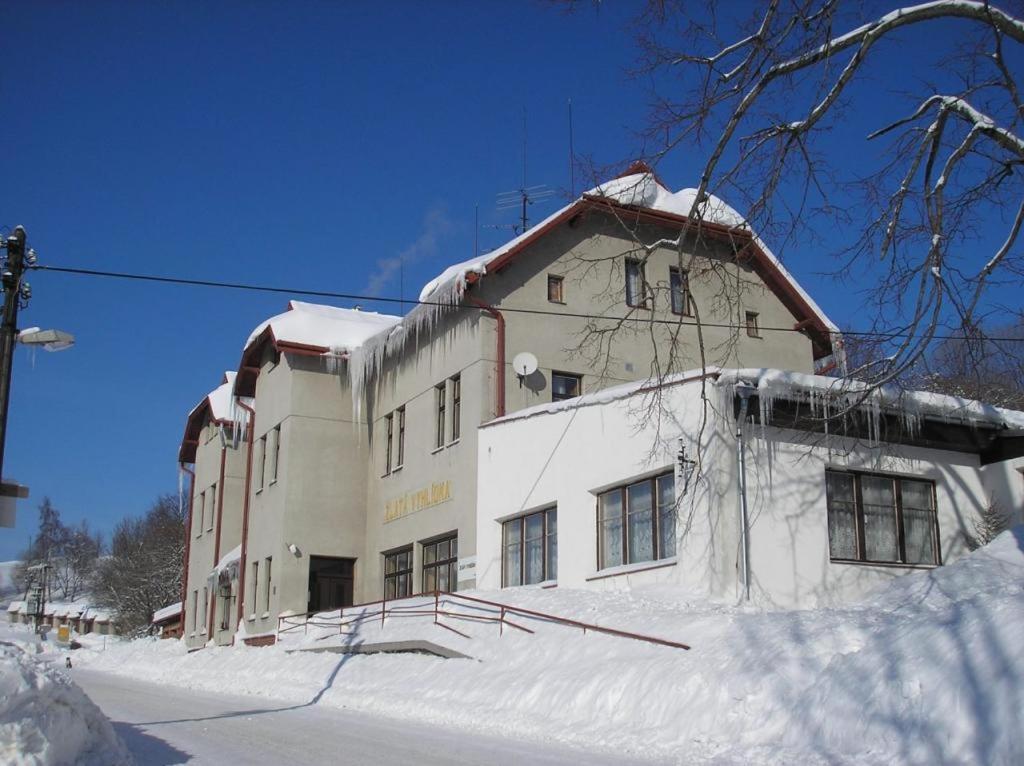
[(524, 364)]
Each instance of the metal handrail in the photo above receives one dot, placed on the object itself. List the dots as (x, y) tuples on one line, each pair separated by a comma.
[(287, 623)]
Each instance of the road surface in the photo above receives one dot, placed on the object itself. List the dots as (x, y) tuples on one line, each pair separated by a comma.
[(168, 725)]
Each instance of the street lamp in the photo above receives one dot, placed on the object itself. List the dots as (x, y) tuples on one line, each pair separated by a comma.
[(48, 340)]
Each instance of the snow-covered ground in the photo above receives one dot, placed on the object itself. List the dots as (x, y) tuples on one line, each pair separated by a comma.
[(928, 670), (45, 719)]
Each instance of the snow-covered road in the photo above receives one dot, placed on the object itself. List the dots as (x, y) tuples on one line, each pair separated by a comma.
[(167, 725)]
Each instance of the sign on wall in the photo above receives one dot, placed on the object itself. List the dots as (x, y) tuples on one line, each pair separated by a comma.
[(467, 569), (417, 500)]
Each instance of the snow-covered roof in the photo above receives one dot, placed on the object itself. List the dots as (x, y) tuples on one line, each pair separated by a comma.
[(235, 554), (326, 327), (171, 610), (835, 393), (15, 606), (638, 189), (830, 393)]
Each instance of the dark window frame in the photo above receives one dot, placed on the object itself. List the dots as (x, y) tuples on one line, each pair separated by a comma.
[(898, 507), (456, 386), (558, 282), (275, 463), (398, 572), (567, 376), (636, 301), (268, 564), (389, 434), (548, 535), (450, 562), (681, 277), (752, 325), (400, 456), (656, 513), (440, 408)]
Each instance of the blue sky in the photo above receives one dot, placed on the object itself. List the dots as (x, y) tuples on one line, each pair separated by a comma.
[(293, 144)]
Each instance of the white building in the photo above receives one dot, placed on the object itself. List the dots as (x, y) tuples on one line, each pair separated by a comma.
[(643, 484)]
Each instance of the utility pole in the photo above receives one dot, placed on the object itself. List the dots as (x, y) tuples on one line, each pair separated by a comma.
[(14, 293)]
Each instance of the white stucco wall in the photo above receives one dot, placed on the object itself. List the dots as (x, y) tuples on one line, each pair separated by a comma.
[(565, 458)]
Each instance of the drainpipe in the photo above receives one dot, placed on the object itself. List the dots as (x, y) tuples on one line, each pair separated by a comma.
[(499, 363), (744, 391), (188, 540), (216, 539), (245, 509)]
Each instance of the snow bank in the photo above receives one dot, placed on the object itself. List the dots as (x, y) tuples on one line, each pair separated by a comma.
[(928, 670), (46, 719)]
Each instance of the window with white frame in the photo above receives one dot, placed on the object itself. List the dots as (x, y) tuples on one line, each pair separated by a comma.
[(268, 563), (637, 522), (201, 516), (882, 519), (263, 462), (213, 508), (679, 287), (529, 548)]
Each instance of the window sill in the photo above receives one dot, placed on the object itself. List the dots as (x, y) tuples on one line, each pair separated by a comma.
[(202, 632), (192, 635), (886, 564), (542, 585), (259, 491), (453, 442), (252, 618), (436, 450), (627, 569), (265, 615), (560, 303), (272, 482)]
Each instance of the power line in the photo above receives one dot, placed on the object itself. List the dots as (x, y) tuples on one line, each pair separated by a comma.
[(507, 310)]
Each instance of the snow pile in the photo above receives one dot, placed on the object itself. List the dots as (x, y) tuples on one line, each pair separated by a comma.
[(928, 670), (47, 719)]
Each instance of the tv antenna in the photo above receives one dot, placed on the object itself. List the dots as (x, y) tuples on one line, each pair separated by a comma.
[(522, 197)]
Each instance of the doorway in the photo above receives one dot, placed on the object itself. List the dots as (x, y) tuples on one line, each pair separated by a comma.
[(331, 583)]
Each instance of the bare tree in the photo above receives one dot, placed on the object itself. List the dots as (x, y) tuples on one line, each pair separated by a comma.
[(759, 93), (143, 571), (71, 553)]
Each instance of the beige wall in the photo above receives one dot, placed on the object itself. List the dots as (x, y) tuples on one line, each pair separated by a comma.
[(203, 549), (333, 490)]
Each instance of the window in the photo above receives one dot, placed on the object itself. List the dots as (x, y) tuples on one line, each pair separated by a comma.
[(255, 584), (440, 565), (881, 519), (262, 461), (201, 518), (440, 397), (565, 385), (400, 456), (456, 407), (206, 605), (398, 573), (752, 329), (195, 609), (679, 287), (213, 508), (275, 453), (636, 284), (637, 522), (556, 289), (530, 549), (267, 565), (389, 431)]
